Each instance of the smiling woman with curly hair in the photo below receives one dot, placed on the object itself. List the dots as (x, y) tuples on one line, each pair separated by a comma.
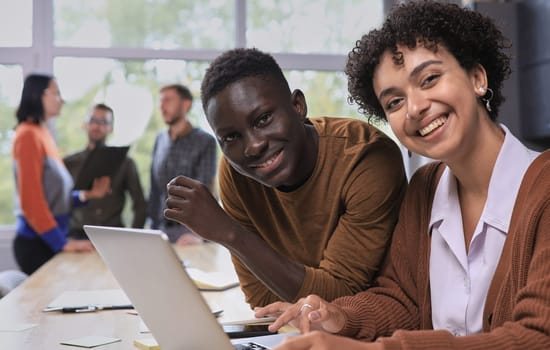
[(470, 37), (469, 258)]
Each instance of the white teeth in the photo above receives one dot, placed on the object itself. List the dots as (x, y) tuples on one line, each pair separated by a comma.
[(267, 163), (432, 126)]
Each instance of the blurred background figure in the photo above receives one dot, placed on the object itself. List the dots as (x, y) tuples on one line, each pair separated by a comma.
[(106, 211), (182, 149), (44, 196)]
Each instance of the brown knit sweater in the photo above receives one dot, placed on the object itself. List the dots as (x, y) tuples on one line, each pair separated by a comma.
[(517, 309), (338, 223)]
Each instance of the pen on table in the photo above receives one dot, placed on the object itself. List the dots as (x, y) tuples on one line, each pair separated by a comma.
[(217, 313), (87, 308)]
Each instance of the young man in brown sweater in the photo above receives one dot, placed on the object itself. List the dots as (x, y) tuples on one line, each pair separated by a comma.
[(309, 203)]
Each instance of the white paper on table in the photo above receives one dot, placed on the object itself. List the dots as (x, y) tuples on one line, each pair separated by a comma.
[(215, 281), (76, 298), (16, 327)]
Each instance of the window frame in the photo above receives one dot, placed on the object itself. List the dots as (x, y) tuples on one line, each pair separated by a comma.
[(40, 56)]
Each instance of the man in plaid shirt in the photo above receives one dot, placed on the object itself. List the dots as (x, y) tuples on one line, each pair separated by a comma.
[(182, 149)]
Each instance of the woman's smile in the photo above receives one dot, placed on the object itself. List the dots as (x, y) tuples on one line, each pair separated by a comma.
[(434, 125)]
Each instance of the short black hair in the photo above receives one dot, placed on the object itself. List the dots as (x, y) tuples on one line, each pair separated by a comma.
[(469, 36), (105, 107), (30, 106), (237, 64), (183, 91)]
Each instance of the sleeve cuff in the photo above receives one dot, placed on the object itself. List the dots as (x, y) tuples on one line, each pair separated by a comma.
[(82, 196), (77, 198), (55, 239)]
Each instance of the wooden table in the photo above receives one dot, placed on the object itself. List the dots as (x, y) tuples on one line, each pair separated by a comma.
[(86, 271)]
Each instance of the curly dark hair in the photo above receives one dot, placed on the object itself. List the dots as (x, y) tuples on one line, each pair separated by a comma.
[(469, 36), (237, 64)]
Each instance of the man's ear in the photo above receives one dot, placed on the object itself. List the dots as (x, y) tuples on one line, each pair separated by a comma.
[(299, 102), (187, 106)]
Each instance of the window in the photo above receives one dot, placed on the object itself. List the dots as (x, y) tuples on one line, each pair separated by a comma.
[(155, 24), (325, 92), (304, 26), (117, 51), (11, 83), (15, 24)]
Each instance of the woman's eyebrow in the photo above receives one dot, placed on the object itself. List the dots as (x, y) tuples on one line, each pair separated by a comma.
[(385, 92), (416, 71)]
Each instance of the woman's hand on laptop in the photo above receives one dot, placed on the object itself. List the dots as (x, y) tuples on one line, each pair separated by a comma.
[(190, 203), (309, 313)]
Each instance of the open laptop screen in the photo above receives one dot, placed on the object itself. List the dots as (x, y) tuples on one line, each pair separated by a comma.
[(154, 279)]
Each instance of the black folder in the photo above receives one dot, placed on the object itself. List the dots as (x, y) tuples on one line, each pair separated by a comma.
[(101, 161)]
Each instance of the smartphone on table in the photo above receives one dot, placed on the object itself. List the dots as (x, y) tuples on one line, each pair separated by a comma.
[(246, 330)]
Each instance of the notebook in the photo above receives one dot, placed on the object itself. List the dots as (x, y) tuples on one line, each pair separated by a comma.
[(214, 281), (101, 161), (168, 302)]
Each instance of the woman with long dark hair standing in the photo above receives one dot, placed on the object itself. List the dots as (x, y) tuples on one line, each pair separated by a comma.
[(44, 186)]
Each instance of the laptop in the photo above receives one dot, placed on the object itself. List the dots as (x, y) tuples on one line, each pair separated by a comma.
[(154, 279)]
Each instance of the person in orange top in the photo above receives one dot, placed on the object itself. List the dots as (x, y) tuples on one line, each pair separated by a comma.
[(43, 184)]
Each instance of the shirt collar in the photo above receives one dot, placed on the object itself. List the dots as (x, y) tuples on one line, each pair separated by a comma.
[(445, 199), (512, 162)]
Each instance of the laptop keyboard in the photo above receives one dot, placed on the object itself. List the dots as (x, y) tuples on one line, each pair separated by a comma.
[(249, 346)]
